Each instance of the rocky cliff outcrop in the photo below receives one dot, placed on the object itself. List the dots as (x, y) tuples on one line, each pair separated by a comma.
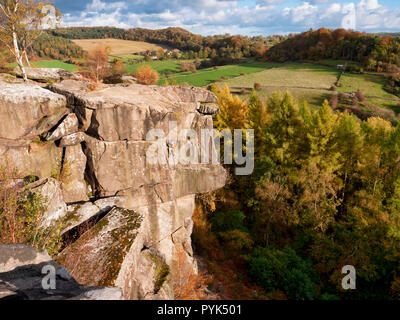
[(23, 271), (89, 151)]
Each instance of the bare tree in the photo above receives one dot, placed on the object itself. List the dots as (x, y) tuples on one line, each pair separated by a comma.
[(21, 23)]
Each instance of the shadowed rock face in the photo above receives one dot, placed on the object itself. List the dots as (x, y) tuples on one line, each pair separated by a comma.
[(22, 272), (141, 211)]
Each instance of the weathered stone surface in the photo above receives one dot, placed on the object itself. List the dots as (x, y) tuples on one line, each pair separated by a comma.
[(74, 187), (78, 214), (47, 74), (104, 294), (27, 111), (198, 180), (14, 256), (142, 273), (159, 234), (142, 209), (9, 292), (56, 208), (135, 109), (21, 278), (67, 127), (186, 94), (8, 78), (102, 249), (81, 213), (116, 166), (72, 139), (41, 159), (129, 79)]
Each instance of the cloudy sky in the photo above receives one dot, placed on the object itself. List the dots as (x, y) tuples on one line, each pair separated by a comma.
[(250, 17)]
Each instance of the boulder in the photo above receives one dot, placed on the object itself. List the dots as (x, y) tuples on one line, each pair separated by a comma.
[(23, 268), (73, 184), (186, 94), (50, 190), (78, 214), (135, 109), (40, 159), (47, 74), (101, 250), (67, 127), (72, 139), (28, 111)]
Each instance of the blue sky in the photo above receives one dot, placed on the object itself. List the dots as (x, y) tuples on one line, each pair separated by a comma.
[(250, 17)]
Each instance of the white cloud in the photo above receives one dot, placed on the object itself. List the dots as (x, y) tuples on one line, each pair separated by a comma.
[(235, 16)]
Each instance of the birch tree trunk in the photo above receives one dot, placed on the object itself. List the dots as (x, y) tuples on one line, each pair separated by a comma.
[(27, 59), (18, 57)]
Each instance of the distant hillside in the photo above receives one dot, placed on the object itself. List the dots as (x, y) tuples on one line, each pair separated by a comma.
[(224, 45), (390, 34), (48, 46), (372, 51)]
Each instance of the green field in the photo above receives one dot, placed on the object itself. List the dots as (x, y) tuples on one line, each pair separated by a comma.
[(289, 75), (335, 63), (311, 83), (372, 86), (126, 57), (55, 64), (161, 66), (204, 77), (51, 64)]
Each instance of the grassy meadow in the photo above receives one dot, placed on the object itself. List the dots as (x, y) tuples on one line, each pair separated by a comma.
[(207, 76), (312, 83)]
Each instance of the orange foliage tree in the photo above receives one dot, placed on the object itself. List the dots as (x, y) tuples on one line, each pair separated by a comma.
[(146, 75), (98, 63)]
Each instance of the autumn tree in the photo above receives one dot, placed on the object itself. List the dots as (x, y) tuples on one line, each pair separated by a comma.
[(146, 75), (20, 24), (118, 69), (98, 63)]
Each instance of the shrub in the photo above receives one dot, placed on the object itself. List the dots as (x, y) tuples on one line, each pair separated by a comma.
[(284, 270), (227, 221), (244, 91), (188, 67), (257, 86), (191, 286), (236, 240), (360, 96), (342, 97), (333, 102), (21, 213), (146, 75)]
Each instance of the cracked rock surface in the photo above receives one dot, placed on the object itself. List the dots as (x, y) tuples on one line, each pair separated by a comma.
[(89, 152)]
